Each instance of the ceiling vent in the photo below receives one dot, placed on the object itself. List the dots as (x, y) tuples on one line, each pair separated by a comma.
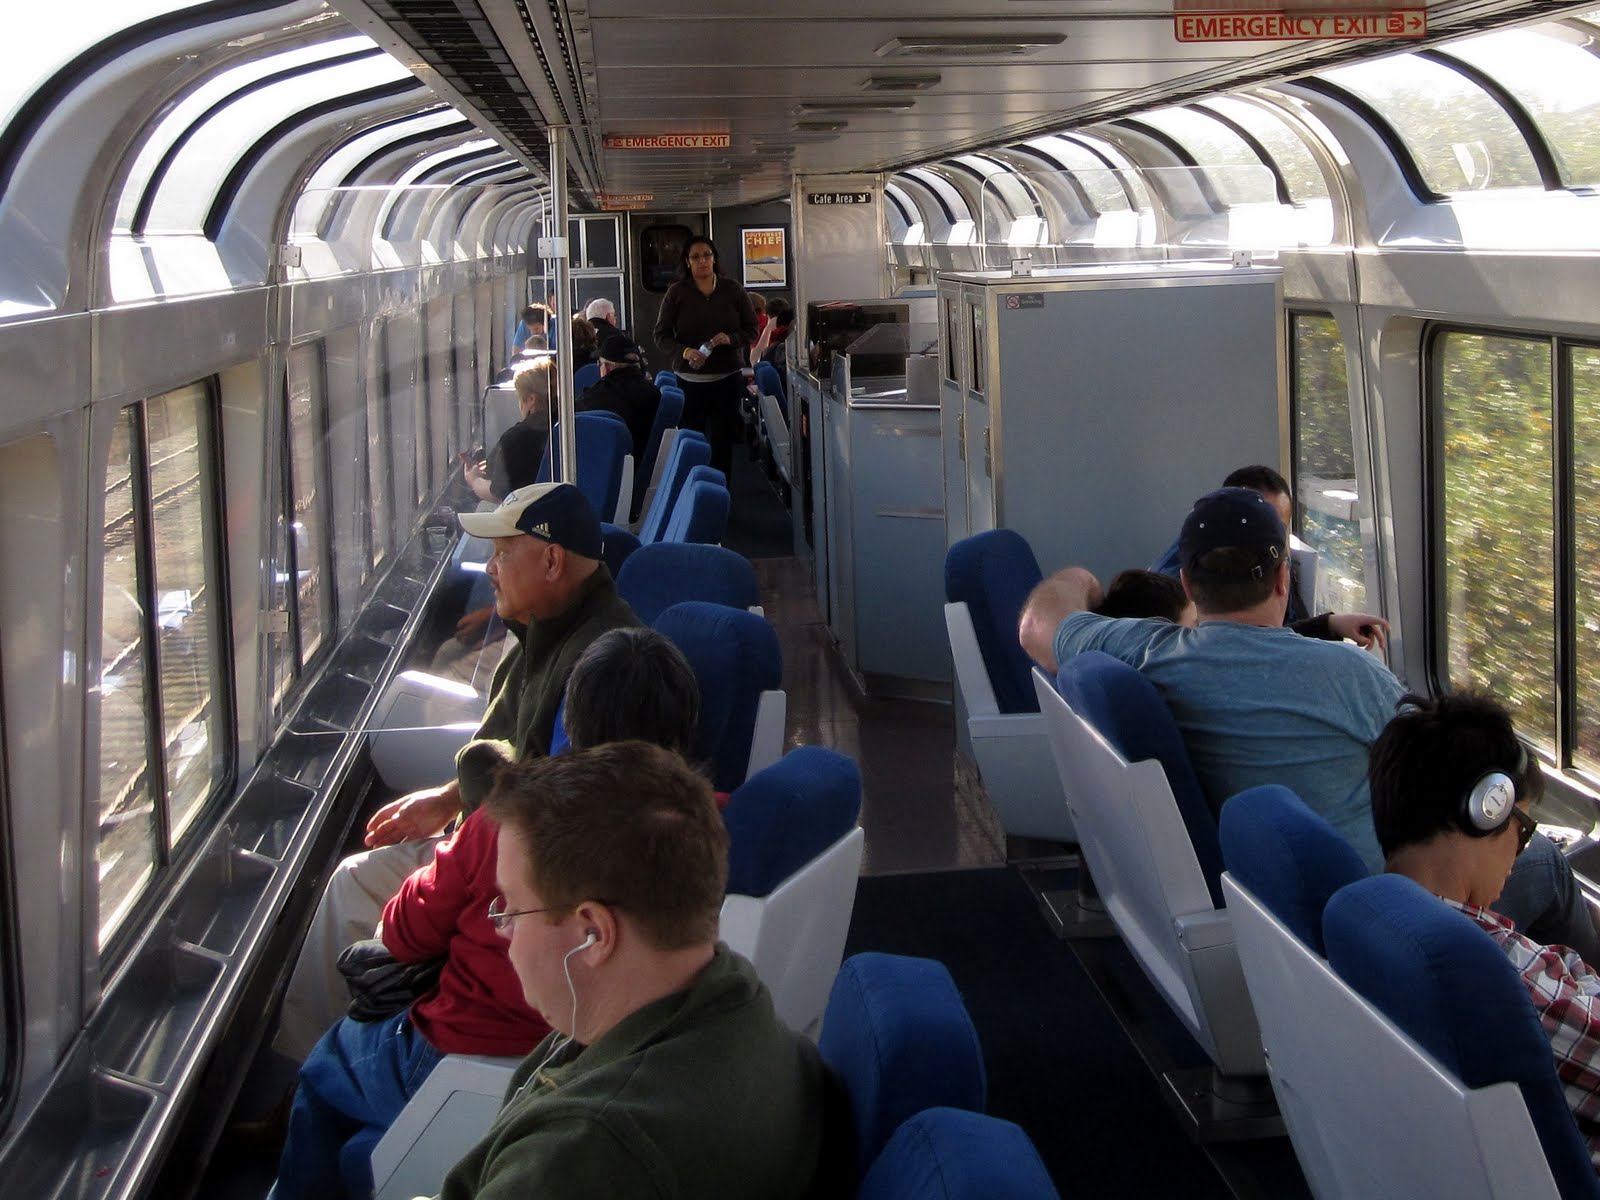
[(820, 126), (899, 83), (853, 107), (967, 45)]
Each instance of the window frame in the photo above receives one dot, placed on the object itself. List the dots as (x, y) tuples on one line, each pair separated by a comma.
[(171, 856), (300, 663)]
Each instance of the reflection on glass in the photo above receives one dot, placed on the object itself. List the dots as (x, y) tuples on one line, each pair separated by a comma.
[(188, 649), (379, 440), (978, 346), (1217, 149), (126, 849), (1459, 136), (1554, 74), (310, 516), (1327, 500), (1300, 172), (1584, 362), (1496, 422)]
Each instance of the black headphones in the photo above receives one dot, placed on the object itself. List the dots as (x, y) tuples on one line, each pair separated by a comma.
[(1487, 805)]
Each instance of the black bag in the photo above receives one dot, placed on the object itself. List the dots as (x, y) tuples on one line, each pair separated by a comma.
[(380, 984)]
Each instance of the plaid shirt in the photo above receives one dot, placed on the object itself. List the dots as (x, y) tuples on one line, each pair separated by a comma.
[(1566, 995)]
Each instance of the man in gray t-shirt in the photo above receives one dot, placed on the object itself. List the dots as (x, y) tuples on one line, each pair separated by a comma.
[(1257, 703)]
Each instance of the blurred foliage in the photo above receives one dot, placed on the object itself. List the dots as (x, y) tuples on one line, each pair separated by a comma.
[(1324, 450), (1496, 408), (1584, 362)]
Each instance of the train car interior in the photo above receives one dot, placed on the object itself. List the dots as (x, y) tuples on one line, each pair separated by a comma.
[(280, 278)]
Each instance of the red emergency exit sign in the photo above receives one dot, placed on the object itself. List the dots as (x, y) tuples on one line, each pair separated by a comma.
[(1278, 26)]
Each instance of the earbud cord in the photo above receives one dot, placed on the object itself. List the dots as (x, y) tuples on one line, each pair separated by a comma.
[(572, 990)]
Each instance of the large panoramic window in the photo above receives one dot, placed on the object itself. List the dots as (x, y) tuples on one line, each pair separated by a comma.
[(1328, 506), (165, 745), (1495, 414)]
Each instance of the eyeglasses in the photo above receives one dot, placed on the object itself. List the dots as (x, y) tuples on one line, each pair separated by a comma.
[(702, 257), (1526, 827), (501, 919)]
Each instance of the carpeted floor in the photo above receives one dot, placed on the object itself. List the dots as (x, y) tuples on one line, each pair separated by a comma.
[(758, 523), (1058, 1063)]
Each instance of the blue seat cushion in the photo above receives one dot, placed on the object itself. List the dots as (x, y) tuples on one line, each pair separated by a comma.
[(1444, 982), (782, 817), (1287, 856), (992, 573), (953, 1154)]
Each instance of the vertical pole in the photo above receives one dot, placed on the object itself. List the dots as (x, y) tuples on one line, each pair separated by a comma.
[(561, 323)]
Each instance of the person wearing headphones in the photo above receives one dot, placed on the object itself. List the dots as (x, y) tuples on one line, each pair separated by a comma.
[(669, 1072), (1451, 789)]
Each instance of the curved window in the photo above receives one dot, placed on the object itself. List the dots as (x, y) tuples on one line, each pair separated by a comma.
[(1554, 74), (1327, 493), (1458, 135), (1296, 166), (1102, 185), (190, 114), (42, 38), (1233, 168), (184, 194)]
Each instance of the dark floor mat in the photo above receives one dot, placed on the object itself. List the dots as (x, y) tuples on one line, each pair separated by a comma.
[(758, 523), (1058, 1063)]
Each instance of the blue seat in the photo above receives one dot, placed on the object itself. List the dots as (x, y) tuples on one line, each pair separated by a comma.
[(668, 413), (1125, 708), (898, 1036), (992, 574), (987, 578), (736, 658), (663, 378), (688, 451), (616, 546), (700, 515), (953, 1154), (585, 377), (770, 382), (1287, 856), (603, 445), (783, 817), (1445, 984), (662, 574), (793, 861), (705, 473)]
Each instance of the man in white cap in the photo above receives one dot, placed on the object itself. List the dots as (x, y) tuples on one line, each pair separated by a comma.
[(556, 597)]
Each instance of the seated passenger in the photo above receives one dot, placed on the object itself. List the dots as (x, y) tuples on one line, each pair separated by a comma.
[(1451, 789), (514, 461), (531, 352), (584, 343), (602, 314), (1256, 703), (1138, 593), (671, 1074), (557, 597), (629, 684), (624, 389), (1362, 628)]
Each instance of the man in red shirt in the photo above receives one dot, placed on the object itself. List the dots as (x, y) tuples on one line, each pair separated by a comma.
[(631, 683)]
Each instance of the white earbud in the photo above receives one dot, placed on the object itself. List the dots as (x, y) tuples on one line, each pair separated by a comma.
[(584, 945)]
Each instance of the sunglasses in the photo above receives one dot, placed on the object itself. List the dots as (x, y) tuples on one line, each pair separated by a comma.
[(1526, 827)]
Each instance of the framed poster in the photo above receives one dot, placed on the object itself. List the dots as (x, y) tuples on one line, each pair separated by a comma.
[(764, 251)]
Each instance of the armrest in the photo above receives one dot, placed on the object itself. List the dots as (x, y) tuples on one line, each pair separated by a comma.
[(1205, 930)]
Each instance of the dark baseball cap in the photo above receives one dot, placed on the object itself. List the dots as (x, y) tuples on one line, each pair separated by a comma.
[(619, 348), (551, 512), (1232, 518)]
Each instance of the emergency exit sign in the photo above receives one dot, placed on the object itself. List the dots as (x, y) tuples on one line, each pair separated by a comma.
[(1297, 26)]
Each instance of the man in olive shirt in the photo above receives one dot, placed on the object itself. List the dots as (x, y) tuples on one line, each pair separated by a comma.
[(556, 597), (669, 1073)]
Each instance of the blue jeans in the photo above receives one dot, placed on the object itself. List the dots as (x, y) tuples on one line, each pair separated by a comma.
[(352, 1087), (1546, 903)]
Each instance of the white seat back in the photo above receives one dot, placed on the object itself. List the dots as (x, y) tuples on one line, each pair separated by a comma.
[(501, 410), (777, 433), (1012, 750), (1144, 867), (766, 739), (795, 936), (450, 1112), (1370, 1113), (418, 725)]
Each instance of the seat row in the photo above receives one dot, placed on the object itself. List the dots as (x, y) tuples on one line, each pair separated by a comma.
[(1397, 1038)]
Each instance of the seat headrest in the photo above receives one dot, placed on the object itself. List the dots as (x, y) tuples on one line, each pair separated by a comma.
[(992, 573), (1443, 981), (953, 1154), (899, 1037), (1126, 710), (781, 818), (1288, 857)]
